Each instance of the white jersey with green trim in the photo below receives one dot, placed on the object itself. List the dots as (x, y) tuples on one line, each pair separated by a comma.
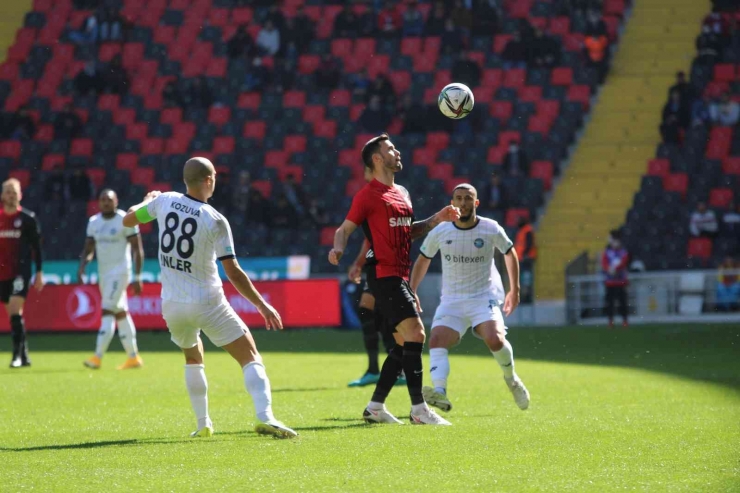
[(468, 270), (112, 248), (192, 237)]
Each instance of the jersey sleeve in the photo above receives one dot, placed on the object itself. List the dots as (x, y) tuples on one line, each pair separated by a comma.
[(34, 239), (501, 239), (223, 241), (359, 210), (149, 213), (430, 247), (129, 232), (90, 233)]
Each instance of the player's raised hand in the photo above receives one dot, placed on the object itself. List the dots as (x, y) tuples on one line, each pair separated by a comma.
[(271, 316), (511, 302), (335, 256), (355, 273), (449, 214), (152, 195), (38, 283)]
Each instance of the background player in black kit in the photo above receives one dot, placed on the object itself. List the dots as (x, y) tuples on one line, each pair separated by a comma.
[(20, 245)]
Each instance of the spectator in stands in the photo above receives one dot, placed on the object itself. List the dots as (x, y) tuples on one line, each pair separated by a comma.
[(495, 197), (516, 162), (88, 80), (544, 50), (726, 112), (295, 35), (708, 47), (80, 186), (275, 15), (412, 115), (685, 90), (295, 195), (360, 83), (305, 29), (703, 222), (700, 111), (675, 107), (88, 32), (716, 23), (597, 54), (731, 221), (241, 193), (389, 20), (614, 263), (172, 95), (728, 286), (111, 26), (486, 14), (382, 88), (221, 199), (328, 73), (462, 16), (670, 130), (115, 78), (241, 43), (67, 124), (435, 25), (451, 38), (283, 215), (346, 23), (515, 52), (198, 94), (55, 186), (595, 25), (466, 70), (413, 20), (317, 214), (283, 77), (257, 76), (256, 208), (268, 39), (21, 125), (374, 118), (525, 245)]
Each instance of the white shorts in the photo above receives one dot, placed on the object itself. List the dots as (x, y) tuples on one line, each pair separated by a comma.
[(219, 322), (113, 293), (459, 315)]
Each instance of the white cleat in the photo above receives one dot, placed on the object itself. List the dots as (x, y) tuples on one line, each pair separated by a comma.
[(205, 432), (428, 417), (380, 416), (519, 391), (436, 399), (276, 429)]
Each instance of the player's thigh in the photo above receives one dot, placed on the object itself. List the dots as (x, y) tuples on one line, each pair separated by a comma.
[(395, 301), (488, 325), (18, 293), (449, 315), (411, 330), (367, 300), (194, 355), (243, 350), (444, 337), (113, 294), (182, 322), (223, 326)]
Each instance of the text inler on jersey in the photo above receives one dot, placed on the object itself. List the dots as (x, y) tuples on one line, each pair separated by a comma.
[(175, 263)]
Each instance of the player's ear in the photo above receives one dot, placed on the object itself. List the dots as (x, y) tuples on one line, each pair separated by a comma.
[(477, 202)]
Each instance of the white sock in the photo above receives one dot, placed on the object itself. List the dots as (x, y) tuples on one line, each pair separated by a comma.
[(127, 333), (439, 364), (195, 381), (258, 386), (419, 408), (505, 359), (376, 406), (105, 334)]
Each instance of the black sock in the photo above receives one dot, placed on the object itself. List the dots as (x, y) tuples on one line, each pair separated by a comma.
[(385, 331), (414, 370), (392, 367), (18, 333), (370, 338)]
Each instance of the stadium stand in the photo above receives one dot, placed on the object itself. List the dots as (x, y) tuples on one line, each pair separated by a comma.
[(137, 131)]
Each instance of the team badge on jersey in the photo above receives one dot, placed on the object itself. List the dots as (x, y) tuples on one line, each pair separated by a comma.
[(449, 242), (478, 243), (17, 223)]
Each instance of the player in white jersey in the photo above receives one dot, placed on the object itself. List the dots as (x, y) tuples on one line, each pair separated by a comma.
[(193, 236), (472, 293), (113, 243)]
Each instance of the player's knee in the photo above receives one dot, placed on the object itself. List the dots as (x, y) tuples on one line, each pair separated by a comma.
[(437, 341), (190, 360), (495, 341), (415, 334)]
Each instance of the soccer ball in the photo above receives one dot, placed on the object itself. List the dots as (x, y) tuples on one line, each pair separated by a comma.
[(456, 101)]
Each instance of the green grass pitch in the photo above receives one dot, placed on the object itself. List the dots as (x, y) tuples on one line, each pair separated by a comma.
[(653, 408)]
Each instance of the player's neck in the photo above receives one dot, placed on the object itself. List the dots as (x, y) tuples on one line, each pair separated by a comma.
[(11, 210), (469, 224), (385, 177), (108, 215), (197, 195)]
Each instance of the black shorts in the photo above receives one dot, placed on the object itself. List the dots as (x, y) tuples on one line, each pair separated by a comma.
[(394, 299), (14, 287)]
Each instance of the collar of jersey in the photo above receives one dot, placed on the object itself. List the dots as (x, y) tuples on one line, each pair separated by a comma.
[(377, 184), (477, 222), (193, 198)]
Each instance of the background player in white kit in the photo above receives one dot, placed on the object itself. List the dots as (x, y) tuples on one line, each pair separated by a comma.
[(193, 236), (472, 293), (113, 243)]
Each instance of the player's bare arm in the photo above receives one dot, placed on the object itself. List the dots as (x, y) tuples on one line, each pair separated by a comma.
[(35, 242), (421, 228), (355, 270), (88, 252), (130, 220), (137, 252), (240, 280), (512, 297), (421, 266), (340, 241)]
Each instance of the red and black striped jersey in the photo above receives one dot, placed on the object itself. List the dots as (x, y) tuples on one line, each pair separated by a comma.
[(20, 244)]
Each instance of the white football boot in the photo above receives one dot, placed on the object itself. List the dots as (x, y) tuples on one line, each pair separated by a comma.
[(519, 391)]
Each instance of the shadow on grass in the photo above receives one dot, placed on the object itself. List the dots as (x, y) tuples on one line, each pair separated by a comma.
[(314, 389), (708, 353)]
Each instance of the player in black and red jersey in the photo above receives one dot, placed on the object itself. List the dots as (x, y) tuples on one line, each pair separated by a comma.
[(384, 211), (20, 245)]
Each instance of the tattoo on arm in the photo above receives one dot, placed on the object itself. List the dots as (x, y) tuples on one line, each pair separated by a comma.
[(421, 228)]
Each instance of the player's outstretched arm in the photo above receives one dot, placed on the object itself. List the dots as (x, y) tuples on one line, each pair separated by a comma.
[(131, 219), (421, 266), (355, 270), (421, 228), (511, 259), (88, 251), (340, 241), (244, 285), (137, 251)]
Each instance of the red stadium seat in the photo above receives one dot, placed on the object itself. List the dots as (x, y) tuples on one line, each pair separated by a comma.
[(699, 248), (440, 171), (500, 41), (559, 26), (442, 78), (492, 77), (341, 48), (438, 140), (364, 49), (44, 133), (107, 51), (425, 63), (541, 124), (549, 108), (219, 17), (720, 135), (178, 144), (153, 101), (543, 170), (263, 186), (352, 187), (93, 207), (249, 100), (496, 155), (513, 215), (22, 175), (217, 67), (614, 7), (724, 72), (184, 130), (659, 167), (143, 176), (573, 42), (255, 130), (676, 182), (152, 146), (501, 110), (378, 64), (109, 102), (276, 159), (307, 64), (515, 77), (720, 197), (242, 15), (509, 136), (219, 114), (340, 97), (327, 232), (97, 176), (718, 149), (127, 161), (325, 128), (295, 143), (411, 46), (81, 147), (561, 76), (294, 99), (171, 116), (224, 145), (401, 81), (348, 157), (579, 94), (425, 156), (313, 113), (731, 166), (432, 45), (52, 161), (530, 94), (137, 131)]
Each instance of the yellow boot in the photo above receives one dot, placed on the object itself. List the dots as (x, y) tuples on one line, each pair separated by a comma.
[(135, 362), (93, 362)]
